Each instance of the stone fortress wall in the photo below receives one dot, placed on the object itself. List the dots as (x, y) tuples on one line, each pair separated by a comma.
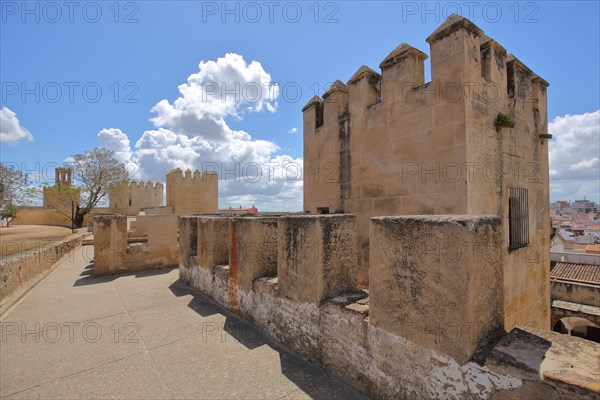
[(428, 327), (186, 194)]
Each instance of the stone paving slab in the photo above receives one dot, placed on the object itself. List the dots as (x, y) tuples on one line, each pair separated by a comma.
[(27, 361), (133, 377), (143, 336)]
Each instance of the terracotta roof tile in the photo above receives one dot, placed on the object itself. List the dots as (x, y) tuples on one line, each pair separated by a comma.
[(593, 248), (576, 272)]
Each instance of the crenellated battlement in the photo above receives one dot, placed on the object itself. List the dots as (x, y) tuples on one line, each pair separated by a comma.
[(192, 192), (179, 175), (148, 185), (129, 198), (466, 67)]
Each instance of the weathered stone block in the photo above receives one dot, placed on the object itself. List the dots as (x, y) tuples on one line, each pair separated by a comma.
[(214, 239), (188, 240), (162, 239), (110, 243), (140, 228), (317, 256), (437, 281), (256, 250)]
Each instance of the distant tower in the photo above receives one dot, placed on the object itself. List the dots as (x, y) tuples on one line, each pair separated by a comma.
[(130, 198), (63, 177), (62, 196), (193, 193)]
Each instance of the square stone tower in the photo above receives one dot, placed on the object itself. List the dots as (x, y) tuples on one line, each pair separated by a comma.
[(471, 141), (195, 193), (62, 196)]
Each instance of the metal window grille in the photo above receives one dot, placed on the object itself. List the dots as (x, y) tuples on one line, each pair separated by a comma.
[(518, 215)]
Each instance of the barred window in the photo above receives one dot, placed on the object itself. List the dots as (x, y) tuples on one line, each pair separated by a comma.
[(518, 216)]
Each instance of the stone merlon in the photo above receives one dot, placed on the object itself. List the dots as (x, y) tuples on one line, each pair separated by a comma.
[(453, 23), (337, 86), (363, 72), (312, 102), (402, 51)]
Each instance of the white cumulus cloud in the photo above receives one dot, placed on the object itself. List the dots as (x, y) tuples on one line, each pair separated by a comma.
[(118, 142), (222, 88), (192, 132), (585, 164), (11, 131), (574, 156)]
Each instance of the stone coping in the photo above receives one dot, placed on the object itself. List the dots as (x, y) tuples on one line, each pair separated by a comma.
[(557, 359)]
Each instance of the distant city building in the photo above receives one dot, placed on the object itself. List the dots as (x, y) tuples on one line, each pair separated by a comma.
[(564, 207), (575, 294), (584, 206), (238, 211)]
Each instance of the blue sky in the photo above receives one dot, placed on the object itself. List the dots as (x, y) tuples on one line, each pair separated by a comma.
[(138, 53)]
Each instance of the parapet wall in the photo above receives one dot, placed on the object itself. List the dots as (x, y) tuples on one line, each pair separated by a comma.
[(423, 329), (192, 193), (438, 272), (114, 254), (17, 270), (158, 210), (574, 292)]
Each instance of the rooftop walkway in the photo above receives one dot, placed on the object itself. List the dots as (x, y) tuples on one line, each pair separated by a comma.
[(143, 335)]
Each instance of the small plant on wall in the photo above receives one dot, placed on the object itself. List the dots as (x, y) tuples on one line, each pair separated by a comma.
[(503, 121)]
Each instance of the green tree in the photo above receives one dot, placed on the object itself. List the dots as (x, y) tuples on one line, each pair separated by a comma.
[(95, 172), (13, 185), (9, 212)]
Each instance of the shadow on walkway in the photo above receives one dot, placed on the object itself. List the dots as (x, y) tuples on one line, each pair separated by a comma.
[(88, 277), (314, 382)]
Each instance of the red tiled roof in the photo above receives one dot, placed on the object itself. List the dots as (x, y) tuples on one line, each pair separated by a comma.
[(252, 210), (593, 248), (576, 272)]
